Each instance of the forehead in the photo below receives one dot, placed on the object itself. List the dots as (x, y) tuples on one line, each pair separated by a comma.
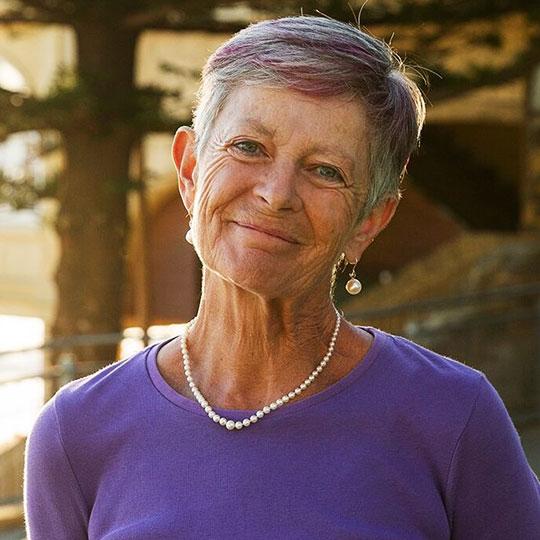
[(289, 116)]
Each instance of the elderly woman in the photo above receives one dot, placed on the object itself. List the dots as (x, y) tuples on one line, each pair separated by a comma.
[(271, 416)]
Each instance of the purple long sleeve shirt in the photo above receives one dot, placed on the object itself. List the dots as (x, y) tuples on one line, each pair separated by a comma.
[(409, 445)]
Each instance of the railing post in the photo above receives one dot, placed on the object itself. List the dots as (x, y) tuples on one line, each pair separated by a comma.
[(68, 368)]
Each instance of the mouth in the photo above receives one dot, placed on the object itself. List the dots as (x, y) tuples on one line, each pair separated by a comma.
[(274, 233)]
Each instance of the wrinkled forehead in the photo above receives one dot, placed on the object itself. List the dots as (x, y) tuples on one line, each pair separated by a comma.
[(288, 116)]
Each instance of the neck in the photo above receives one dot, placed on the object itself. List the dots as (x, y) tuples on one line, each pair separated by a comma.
[(246, 350)]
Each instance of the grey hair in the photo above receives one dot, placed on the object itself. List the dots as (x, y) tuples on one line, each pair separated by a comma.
[(320, 56)]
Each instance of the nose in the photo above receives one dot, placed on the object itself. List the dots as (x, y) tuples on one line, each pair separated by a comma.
[(278, 188)]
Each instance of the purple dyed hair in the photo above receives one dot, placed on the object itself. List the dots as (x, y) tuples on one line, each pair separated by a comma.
[(321, 57)]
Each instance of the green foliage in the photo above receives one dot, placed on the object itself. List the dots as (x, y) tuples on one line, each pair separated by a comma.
[(24, 193), (95, 98)]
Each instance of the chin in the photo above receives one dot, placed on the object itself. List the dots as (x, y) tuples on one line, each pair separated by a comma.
[(258, 273)]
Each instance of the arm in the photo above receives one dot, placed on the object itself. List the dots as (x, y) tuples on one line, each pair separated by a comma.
[(53, 501), (493, 492)]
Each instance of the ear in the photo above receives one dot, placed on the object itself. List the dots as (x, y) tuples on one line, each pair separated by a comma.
[(366, 231), (183, 153)]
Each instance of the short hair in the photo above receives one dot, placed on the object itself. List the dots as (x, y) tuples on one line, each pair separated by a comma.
[(319, 56)]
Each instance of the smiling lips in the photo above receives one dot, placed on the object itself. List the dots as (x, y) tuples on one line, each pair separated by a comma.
[(281, 235)]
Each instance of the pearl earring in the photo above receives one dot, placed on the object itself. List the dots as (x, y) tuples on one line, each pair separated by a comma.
[(353, 286), (189, 234)]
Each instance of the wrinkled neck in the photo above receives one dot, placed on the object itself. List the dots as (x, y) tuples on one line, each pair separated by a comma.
[(244, 347)]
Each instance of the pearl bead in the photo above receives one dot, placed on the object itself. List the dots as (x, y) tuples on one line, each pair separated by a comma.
[(231, 424), (353, 286)]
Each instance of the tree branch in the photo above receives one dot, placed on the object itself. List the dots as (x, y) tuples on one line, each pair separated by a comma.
[(23, 113), (448, 11), (175, 21), (44, 6), (453, 85), (30, 15)]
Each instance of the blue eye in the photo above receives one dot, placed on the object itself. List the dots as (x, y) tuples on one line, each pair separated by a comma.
[(328, 172), (247, 147)]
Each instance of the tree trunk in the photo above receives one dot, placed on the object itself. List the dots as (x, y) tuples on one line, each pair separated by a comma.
[(530, 213), (92, 221)]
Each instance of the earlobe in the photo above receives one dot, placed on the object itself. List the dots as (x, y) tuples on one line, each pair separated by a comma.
[(370, 227), (183, 154)]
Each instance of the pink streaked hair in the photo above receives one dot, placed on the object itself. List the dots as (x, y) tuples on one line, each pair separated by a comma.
[(322, 57)]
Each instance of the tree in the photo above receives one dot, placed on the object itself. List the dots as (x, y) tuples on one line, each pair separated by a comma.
[(530, 208), (102, 116)]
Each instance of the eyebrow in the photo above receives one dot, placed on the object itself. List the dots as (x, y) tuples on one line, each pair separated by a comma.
[(256, 125), (334, 151)]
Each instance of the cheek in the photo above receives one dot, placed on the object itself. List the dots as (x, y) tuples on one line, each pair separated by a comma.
[(224, 176), (333, 218), (218, 192)]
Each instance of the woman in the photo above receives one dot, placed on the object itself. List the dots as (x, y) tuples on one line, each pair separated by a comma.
[(271, 416)]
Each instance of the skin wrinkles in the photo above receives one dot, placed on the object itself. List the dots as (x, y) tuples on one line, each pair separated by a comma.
[(219, 144), (266, 315)]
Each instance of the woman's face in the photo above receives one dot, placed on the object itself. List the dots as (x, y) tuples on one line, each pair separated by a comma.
[(276, 191)]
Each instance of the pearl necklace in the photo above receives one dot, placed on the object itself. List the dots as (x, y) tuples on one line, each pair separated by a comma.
[(231, 424)]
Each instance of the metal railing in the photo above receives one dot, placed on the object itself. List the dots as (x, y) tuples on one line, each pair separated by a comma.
[(496, 331)]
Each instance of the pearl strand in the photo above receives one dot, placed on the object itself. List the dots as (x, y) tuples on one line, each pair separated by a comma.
[(267, 409)]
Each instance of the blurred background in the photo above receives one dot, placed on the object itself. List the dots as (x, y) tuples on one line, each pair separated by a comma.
[(93, 262)]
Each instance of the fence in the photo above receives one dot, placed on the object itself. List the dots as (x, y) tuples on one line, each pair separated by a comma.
[(496, 331), (22, 393)]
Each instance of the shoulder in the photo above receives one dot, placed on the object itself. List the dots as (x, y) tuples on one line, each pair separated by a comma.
[(90, 402), (115, 378), (426, 396), (425, 370)]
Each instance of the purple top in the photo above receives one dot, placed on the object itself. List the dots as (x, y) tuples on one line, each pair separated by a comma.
[(408, 445)]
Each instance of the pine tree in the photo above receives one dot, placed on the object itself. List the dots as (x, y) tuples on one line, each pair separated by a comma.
[(102, 115)]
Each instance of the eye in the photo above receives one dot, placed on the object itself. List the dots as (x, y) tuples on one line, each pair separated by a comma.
[(248, 148), (328, 172)]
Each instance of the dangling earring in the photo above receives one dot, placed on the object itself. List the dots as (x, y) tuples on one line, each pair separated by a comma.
[(189, 234), (353, 286)]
